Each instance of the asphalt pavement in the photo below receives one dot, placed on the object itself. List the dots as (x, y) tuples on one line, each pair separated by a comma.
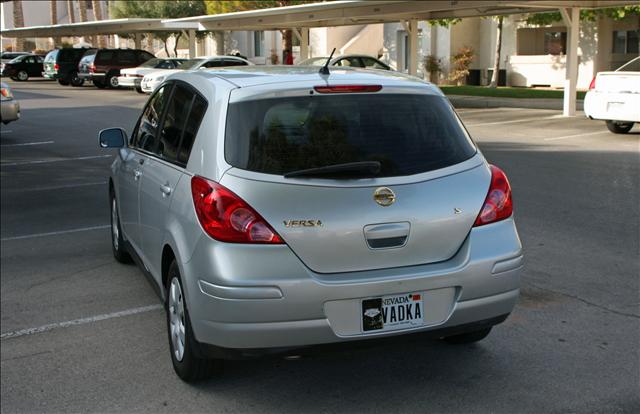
[(83, 333)]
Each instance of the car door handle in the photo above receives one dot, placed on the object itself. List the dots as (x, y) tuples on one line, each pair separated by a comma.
[(166, 190), (136, 174)]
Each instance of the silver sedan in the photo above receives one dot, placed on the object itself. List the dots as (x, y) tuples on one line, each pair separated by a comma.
[(9, 106)]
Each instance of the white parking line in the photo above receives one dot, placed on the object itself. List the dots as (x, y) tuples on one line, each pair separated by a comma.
[(514, 121), (82, 321), (27, 144), (60, 187), (54, 233), (11, 164), (576, 135), (5, 131)]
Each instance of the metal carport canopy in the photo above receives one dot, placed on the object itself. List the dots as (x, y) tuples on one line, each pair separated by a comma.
[(355, 12), (108, 27)]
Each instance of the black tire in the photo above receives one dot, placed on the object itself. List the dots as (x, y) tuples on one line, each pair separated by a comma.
[(139, 89), (112, 81), (22, 76), (619, 127), (13, 78), (118, 244), (63, 82), (99, 84), (75, 80), (467, 337), (191, 367)]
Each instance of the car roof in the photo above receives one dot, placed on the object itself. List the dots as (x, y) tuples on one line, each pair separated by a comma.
[(247, 76)]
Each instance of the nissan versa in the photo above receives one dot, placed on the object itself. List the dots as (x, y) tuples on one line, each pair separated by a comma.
[(278, 208)]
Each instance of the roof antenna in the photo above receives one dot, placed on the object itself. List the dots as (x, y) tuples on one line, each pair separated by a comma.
[(324, 70)]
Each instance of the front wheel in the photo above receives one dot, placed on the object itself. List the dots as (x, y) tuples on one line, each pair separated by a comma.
[(139, 89), (182, 343), (23, 75), (468, 337), (117, 240), (619, 127)]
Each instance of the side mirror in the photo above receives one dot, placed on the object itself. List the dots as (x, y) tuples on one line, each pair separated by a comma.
[(112, 138)]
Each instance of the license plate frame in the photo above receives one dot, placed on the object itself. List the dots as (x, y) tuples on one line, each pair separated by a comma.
[(392, 312)]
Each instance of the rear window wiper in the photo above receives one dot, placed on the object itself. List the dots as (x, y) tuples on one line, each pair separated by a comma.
[(360, 168)]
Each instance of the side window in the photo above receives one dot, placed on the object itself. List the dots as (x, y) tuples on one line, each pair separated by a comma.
[(372, 63), (355, 62), (145, 137), (165, 64), (198, 109), (214, 64), (126, 57), (144, 56), (234, 62), (104, 56), (29, 59), (174, 123)]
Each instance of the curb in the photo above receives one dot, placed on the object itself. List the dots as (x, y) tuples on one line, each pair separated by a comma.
[(464, 101)]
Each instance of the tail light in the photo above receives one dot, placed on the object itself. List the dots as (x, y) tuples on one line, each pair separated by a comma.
[(498, 204), (56, 67), (92, 68), (592, 85), (6, 93), (347, 88), (226, 217)]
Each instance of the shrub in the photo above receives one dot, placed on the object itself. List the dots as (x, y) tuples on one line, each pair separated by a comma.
[(461, 62), (432, 66)]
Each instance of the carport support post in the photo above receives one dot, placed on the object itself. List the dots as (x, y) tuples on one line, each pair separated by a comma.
[(192, 43), (304, 44), (411, 26), (137, 40), (571, 19)]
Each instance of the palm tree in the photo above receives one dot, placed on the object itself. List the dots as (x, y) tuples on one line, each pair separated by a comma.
[(18, 21), (97, 12), (54, 20), (72, 16), (83, 18)]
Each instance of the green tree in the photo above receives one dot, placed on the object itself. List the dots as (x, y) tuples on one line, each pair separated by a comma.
[(157, 9)]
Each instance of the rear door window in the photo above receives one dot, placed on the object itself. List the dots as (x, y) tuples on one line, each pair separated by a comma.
[(198, 108), (407, 134), (104, 57), (127, 57), (144, 56), (174, 122), (145, 136)]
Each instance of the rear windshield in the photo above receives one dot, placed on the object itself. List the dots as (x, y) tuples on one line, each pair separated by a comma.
[(407, 134), (89, 56), (51, 56)]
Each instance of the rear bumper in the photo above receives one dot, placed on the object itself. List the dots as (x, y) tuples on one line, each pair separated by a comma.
[(9, 110), (273, 301), (612, 106), (91, 76)]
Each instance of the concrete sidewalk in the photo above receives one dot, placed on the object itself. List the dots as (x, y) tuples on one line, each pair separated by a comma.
[(464, 101)]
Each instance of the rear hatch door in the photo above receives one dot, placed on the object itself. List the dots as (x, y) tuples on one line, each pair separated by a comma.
[(417, 209)]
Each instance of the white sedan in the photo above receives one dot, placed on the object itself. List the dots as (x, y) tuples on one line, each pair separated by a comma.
[(614, 97), (151, 81), (131, 77)]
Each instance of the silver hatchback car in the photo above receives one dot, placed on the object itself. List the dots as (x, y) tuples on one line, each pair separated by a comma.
[(277, 208)]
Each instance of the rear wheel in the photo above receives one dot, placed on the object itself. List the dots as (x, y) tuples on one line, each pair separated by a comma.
[(186, 363), (468, 337), (112, 81), (75, 80), (23, 75), (619, 127), (139, 89), (63, 82), (117, 240)]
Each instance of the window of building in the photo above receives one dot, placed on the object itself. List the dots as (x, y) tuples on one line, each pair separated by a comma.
[(625, 41), (258, 43), (555, 43)]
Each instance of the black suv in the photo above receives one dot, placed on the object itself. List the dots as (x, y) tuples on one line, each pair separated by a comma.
[(62, 64), (102, 66)]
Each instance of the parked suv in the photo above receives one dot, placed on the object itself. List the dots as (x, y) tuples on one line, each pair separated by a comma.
[(102, 66), (278, 208), (62, 64)]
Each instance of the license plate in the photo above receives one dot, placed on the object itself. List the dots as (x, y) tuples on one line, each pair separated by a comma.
[(392, 312)]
